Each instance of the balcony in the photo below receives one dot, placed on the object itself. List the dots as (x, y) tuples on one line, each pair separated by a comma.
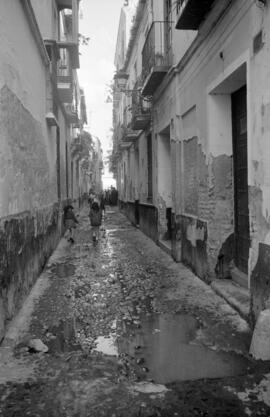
[(64, 78), (127, 134), (141, 111), (53, 54), (156, 57), (69, 38), (191, 13), (72, 115), (64, 4)]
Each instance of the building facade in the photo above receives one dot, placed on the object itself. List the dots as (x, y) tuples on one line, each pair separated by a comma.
[(42, 111), (191, 136)]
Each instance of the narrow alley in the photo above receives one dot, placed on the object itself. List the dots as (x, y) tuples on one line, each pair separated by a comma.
[(127, 332)]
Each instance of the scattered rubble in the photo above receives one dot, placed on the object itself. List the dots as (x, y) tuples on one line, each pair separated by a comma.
[(105, 309), (37, 346)]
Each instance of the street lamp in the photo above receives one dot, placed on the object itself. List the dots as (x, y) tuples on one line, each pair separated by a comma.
[(120, 79)]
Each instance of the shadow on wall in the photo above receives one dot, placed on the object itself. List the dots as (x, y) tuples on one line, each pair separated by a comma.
[(260, 282), (225, 258), (194, 245)]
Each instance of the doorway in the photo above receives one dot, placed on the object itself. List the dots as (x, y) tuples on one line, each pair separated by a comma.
[(240, 168), (165, 184), (58, 167)]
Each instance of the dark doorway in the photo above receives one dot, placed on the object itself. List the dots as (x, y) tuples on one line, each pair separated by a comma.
[(169, 223), (58, 170), (72, 173), (239, 130), (137, 212), (67, 176)]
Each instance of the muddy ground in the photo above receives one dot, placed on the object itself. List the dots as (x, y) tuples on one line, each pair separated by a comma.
[(129, 333)]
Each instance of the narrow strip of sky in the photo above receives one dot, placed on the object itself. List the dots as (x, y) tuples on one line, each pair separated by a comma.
[(99, 21)]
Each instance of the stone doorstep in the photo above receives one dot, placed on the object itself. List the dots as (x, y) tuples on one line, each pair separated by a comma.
[(166, 245), (239, 277), (235, 295)]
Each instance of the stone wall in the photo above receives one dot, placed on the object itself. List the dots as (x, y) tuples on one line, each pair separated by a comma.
[(207, 198), (26, 241), (148, 217), (30, 218)]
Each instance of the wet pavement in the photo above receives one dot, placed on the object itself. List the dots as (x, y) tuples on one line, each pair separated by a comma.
[(129, 333)]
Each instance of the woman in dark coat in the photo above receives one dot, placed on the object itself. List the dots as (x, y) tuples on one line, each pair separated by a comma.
[(95, 217), (69, 222)]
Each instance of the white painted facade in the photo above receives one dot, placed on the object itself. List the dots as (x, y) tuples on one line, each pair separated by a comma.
[(36, 132), (191, 130)]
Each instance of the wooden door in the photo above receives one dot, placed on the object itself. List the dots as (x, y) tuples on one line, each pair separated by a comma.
[(241, 212)]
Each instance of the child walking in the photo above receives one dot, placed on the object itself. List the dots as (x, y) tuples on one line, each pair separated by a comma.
[(95, 216), (69, 222)]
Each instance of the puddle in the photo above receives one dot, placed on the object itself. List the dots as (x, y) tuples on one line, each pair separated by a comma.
[(149, 388), (106, 345), (63, 270), (119, 229), (165, 347)]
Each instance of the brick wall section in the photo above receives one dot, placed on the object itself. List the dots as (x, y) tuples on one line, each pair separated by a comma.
[(191, 176), (208, 195), (162, 220)]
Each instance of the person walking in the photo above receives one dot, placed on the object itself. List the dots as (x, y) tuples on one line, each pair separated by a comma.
[(70, 221), (95, 216), (91, 197)]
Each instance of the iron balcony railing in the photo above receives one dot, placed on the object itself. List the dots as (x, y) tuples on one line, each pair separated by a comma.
[(63, 69), (140, 110), (140, 105), (157, 50), (64, 77)]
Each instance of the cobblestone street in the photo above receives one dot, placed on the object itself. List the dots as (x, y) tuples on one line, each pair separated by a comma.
[(129, 333)]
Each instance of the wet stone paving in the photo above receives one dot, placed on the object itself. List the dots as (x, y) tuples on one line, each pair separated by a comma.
[(127, 332)]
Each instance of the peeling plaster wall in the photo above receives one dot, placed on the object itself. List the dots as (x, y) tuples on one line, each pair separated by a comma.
[(162, 169), (26, 241), (21, 67), (30, 215), (224, 62), (208, 197), (26, 149), (143, 172), (259, 175), (259, 254), (202, 123), (133, 173), (220, 213), (198, 101), (64, 136), (25, 178)]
